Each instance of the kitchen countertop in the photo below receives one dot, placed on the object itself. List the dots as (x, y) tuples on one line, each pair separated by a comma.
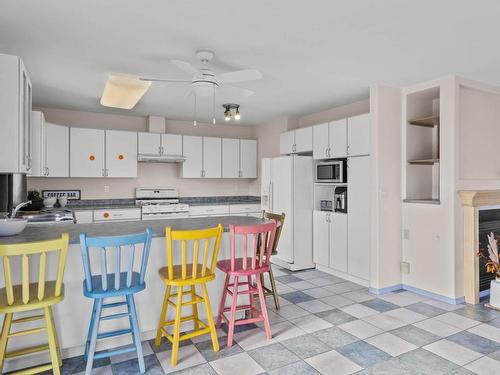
[(40, 232)]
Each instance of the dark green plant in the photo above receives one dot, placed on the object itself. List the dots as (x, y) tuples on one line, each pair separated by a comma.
[(34, 195)]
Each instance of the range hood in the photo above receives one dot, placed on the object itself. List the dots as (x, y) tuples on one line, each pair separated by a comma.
[(155, 158)]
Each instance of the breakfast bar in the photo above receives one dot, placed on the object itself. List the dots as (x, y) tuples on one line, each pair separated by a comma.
[(72, 315)]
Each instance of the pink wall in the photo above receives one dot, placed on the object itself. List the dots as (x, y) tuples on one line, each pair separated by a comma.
[(147, 174)]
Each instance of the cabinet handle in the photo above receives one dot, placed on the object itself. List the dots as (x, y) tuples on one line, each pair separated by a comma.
[(160, 150), (46, 172), (347, 150), (103, 172)]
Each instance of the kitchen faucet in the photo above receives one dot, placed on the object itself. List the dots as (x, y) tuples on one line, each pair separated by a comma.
[(17, 208)]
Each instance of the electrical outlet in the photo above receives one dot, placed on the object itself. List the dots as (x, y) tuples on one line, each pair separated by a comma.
[(106, 188), (406, 234), (405, 267)]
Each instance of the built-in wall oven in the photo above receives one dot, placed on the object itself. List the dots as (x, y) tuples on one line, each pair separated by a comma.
[(332, 171)]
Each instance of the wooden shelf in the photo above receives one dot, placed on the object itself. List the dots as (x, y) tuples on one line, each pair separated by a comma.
[(428, 122), (422, 201), (423, 161)]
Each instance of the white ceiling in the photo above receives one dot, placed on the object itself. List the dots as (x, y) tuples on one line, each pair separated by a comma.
[(314, 55)]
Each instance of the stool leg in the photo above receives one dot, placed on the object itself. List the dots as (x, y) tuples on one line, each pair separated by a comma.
[(93, 336), (194, 307), (273, 287), (56, 337), (177, 327), (4, 338), (52, 342), (91, 324), (232, 317), (163, 316), (210, 318), (135, 331), (263, 310), (222, 301), (250, 295)]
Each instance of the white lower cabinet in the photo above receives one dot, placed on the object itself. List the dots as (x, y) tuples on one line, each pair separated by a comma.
[(338, 241), (358, 211), (321, 238), (117, 214), (245, 210), (84, 216), (210, 210)]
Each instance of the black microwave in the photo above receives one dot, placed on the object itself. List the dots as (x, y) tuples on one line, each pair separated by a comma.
[(332, 171)]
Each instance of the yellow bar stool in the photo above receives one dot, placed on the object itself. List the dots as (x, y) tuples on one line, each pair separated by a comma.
[(197, 267), (29, 296)]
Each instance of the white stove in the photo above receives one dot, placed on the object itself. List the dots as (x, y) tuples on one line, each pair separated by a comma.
[(160, 203)]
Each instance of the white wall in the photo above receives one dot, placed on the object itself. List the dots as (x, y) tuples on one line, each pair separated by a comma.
[(385, 123), (148, 174)]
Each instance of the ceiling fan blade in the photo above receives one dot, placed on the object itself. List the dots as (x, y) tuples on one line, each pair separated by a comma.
[(186, 67), (122, 91), (164, 80), (239, 76), (230, 92)]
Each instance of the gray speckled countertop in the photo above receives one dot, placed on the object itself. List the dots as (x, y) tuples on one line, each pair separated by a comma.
[(39, 232)]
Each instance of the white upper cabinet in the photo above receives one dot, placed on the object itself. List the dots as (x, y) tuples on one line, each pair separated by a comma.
[(230, 158), (287, 142), (121, 153), (148, 143), (296, 141), (321, 142), (192, 147), (37, 144), (15, 115), (171, 144), (56, 150), (212, 157), (87, 152), (337, 139), (248, 158), (358, 135), (303, 140)]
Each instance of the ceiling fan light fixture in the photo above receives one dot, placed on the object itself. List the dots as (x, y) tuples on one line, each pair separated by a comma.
[(123, 91)]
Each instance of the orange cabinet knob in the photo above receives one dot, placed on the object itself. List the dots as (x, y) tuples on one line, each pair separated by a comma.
[(105, 215), (121, 157), (91, 157)]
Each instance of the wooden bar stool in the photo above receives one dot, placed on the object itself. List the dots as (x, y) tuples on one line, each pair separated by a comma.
[(272, 291), (114, 284), (250, 264), (29, 296), (189, 275)]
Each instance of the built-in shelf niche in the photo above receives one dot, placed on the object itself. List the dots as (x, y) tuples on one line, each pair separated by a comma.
[(422, 146)]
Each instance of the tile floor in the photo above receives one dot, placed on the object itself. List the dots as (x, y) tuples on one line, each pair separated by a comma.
[(327, 325)]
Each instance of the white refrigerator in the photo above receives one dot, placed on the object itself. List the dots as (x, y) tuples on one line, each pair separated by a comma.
[(287, 186)]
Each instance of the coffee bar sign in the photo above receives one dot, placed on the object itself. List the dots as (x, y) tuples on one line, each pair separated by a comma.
[(70, 194)]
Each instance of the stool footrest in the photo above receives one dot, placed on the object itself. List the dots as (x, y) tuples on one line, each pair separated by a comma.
[(31, 349), (33, 370), (187, 336), (113, 352), (28, 319), (115, 316), (114, 304), (27, 332), (120, 332)]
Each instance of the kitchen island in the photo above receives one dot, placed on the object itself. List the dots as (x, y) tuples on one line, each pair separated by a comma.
[(72, 315)]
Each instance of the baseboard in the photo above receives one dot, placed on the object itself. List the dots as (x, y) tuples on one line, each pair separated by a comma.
[(343, 275), (387, 289), (422, 292)]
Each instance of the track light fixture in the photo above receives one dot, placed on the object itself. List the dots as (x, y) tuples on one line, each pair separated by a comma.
[(227, 111)]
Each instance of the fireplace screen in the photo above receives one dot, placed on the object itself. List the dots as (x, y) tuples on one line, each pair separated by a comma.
[(489, 221)]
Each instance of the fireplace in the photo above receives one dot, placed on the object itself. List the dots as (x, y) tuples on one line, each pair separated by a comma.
[(489, 221)]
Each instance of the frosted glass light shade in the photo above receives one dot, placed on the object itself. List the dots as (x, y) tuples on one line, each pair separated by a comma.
[(123, 91)]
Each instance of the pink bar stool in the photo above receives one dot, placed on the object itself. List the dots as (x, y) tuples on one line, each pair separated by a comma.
[(256, 263)]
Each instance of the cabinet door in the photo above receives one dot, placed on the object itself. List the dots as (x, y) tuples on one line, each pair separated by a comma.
[(212, 157), (304, 139), (86, 152), (358, 211), (25, 91), (248, 158), (358, 135), (148, 143), (171, 144), (287, 141), (56, 146), (37, 144), (321, 242), (192, 147), (338, 241), (320, 141), (338, 139), (230, 158), (121, 153)]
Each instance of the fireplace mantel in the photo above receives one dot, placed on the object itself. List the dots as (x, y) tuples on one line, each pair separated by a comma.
[(471, 201)]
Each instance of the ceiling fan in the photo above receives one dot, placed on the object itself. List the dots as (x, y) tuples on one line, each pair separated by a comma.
[(124, 91)]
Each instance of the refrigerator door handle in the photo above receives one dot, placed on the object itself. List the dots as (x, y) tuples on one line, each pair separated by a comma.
[(271, 196)]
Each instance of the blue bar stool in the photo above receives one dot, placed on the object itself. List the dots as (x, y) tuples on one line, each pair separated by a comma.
[(114, 252)]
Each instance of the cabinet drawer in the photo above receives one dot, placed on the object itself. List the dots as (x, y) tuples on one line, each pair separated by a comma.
[(235, 209), (84, 217), (117, 214), (218, 210)]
